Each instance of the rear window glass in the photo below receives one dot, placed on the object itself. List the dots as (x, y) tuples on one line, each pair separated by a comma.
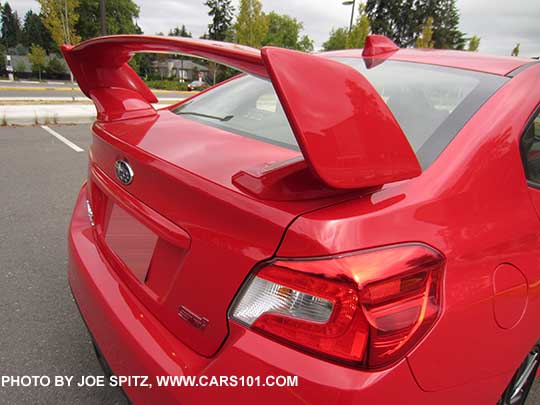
[(431, 104)]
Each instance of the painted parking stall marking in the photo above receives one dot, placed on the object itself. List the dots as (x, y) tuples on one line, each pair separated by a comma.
[(62, 139)]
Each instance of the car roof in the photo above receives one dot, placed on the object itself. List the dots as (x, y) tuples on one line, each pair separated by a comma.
[(498, 65)]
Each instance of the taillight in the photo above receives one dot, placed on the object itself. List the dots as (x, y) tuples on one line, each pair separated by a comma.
[(367, 308)]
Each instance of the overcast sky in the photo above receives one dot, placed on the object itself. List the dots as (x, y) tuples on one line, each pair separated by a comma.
[(500, 23)]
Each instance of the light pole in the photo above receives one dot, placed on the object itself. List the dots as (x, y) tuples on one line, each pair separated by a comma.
[(103, 17), (350, 3)]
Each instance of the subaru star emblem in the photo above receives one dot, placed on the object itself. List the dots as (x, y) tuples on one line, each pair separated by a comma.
[(123, 171)]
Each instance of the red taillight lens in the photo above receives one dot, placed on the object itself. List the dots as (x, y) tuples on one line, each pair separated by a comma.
[(368, 308)]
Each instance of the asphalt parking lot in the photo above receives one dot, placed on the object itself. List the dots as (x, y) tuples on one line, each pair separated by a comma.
[(41, 332)]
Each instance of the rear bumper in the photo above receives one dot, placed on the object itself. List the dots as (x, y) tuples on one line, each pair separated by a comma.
[(135, 343)]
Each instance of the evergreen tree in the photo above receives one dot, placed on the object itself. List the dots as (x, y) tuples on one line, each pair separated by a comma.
[(120, 18), (403, 21), (2, 58), (397, 19), (446, 33), (34, 32), (179, 32), (222, 13), (11, 26)]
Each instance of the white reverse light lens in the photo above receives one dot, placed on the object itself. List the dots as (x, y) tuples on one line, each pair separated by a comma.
[(263, 296)]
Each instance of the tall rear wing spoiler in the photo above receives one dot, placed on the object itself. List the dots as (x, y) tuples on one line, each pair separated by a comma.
[(347, 134)]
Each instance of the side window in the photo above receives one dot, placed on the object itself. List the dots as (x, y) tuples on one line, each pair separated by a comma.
[(530, 150)]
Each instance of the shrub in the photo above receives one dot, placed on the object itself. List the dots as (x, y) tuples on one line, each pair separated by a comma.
[(174, 85), (20, 67), (55, 67)]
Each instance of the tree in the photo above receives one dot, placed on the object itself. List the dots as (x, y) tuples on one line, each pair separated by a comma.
[(397, 19), (402, 21), (55, 67), (20, 67), (251, 24), (360, 31), (11, 26), (179, 32), (120, 18), (474, 44), (305, 44), (515, 51), (34, 32), (37, 57), (284, 31), (337, 40), (446, 33), (425, 39), (60, 18), (2, 59), (222, 13)]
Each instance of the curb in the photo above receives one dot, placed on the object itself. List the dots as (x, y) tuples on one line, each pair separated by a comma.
[(27, 115), (76, 89), (46, 114)]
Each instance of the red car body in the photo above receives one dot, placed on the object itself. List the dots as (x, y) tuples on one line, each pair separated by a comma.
[(162, 265)]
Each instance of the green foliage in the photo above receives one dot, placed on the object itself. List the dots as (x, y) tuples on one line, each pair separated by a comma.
[(20, 66), (60, 17), (425, 39), (446, 33), (360, 30), (134, 63), (284, 31), (474, 44), (305, 44), (37, 57), (337, 40), (167, 85), (402, 21), (55, 67), (34, 32), (515, 51), (11, 26), (251, 24), (142, 64), (397, 19), (2, 59), (179, 32), (222, 13), (120, 18)]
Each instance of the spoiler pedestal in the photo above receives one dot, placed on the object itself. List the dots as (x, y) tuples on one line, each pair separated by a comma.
[(348, 136)]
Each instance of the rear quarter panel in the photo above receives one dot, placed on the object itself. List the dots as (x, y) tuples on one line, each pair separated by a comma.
[(473, 205)]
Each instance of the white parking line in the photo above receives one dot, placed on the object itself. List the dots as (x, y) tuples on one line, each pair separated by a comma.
[(61, 138)]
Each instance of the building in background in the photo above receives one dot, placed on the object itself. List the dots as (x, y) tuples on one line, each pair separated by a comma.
[(183, 69)]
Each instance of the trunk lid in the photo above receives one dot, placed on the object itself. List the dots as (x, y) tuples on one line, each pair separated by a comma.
[(183, 211), (181, 235)]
